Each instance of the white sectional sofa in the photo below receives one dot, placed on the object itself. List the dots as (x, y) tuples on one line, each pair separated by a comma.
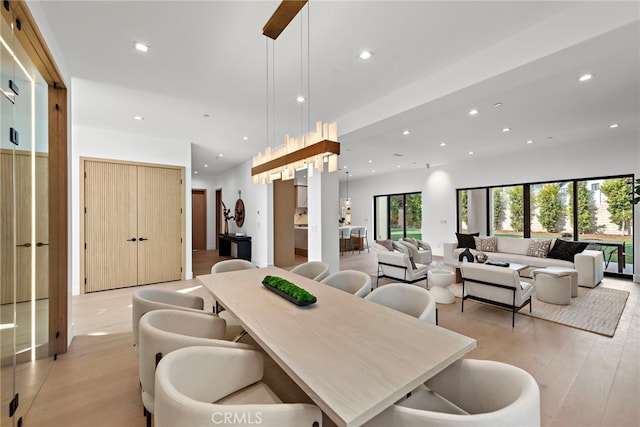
[(589, 264)]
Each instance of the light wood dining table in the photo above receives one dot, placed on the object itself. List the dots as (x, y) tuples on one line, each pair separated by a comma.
[(352, 357)]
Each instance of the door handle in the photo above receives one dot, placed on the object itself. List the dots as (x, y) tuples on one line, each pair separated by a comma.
[(142, 239), (25, 245), (133, 239), (40, 244)]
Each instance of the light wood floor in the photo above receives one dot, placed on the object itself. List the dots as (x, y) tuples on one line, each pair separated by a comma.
[(585, 379)]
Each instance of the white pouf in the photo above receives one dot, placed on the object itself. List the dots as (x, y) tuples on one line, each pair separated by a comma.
[(439, 281), (553, 286)]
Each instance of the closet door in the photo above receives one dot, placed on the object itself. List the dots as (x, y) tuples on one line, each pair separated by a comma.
[(159, 225), (110, 197)]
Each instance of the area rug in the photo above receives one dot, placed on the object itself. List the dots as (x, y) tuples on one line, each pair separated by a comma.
[(596, 310)]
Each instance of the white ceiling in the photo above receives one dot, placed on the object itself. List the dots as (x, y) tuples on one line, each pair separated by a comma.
[(433, 62)]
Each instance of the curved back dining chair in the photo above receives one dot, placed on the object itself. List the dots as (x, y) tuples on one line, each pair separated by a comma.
[(351, 281), (194, 385), (231, 265), (314, 270), (145, 300), (409, 299), (469, 393), (166, 330)]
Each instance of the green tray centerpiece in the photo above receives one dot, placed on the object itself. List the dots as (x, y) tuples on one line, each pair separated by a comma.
[(288, 290)]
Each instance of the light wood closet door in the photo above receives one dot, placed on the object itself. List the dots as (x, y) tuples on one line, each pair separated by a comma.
[(110, 195), (159, 225), (7, 243)]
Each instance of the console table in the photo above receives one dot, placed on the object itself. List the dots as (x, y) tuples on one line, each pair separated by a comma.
[(235, 246)]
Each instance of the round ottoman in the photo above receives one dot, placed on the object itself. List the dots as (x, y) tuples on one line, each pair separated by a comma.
[(439, 281), (553, 286)]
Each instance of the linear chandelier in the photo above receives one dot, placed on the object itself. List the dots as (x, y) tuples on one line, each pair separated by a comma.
[(317, 150)]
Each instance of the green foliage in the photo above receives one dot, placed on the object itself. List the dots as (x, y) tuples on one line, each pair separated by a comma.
[(586, 208), (516, 205), (413, 204), (464, 206), (394, 208), (550, 204), (289, 288), (499, 206), (635, 192), (620, 208)]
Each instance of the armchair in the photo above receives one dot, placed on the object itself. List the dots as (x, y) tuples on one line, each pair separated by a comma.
[(499, 286), (398, 265), (199, 386), (418, 249)]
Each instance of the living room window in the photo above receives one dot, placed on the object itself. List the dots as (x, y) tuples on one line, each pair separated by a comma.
[(595, 209), (397, 216)]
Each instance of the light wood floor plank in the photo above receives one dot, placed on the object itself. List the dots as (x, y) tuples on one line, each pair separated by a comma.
[(585, 379)]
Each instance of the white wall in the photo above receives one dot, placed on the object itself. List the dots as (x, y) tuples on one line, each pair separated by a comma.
[(258, 204), (105, 144), (323, 243), (439, 184)]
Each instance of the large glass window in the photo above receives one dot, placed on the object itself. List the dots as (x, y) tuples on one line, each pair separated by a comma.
[(398, 215), (597, 210), (551, 207)]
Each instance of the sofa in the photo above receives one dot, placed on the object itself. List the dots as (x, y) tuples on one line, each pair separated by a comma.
[(589, 264), (395, 262)]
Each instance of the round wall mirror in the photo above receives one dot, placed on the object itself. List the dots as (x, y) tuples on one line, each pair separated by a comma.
[(239, 215)]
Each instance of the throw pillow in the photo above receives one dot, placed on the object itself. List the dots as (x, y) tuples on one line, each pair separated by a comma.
[(413, 264), (538, 248), (565, 250), (486, 244), (411, 240), (467, 240), (388, 244), (424, 246)]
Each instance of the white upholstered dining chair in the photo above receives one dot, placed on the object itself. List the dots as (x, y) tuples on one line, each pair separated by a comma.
[(314, 270), (469, 393), (145, 300), (409, 299), (200, 386), (166, 330), (352, 281)]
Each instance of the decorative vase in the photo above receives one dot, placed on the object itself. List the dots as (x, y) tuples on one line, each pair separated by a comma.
[(481, 257), (466, 254), (226, 227)]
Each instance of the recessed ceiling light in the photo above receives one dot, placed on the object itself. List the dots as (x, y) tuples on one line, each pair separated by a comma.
[(206, 166), (300, 98), (613, 125), (138, 118), (473, 112), (220, 155), (406, 132), (365, 54), (443, 144), (344, 167), (506, 129), (373, 171), (498, 104), (470, 153), (195, 172), (399, 166), (141, 47), (585, 77), (529, 141), (245, 138), (370, 161)]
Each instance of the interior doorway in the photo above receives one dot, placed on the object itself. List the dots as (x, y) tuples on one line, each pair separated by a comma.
[(218, 221), (199, 219)]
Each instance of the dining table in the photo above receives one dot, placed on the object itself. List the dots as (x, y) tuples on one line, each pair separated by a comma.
[(352, 357)]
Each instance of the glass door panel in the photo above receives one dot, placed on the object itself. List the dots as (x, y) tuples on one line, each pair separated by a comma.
[(396, 216)]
